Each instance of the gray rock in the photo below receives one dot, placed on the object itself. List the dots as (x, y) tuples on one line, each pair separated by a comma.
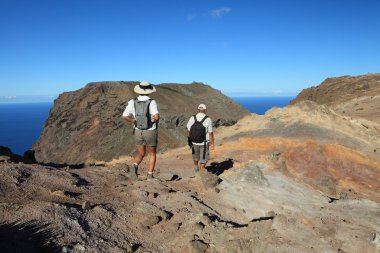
[(376, 240), (65, 249), (86, 205), (208, 179), (251, 173), (327, 185)]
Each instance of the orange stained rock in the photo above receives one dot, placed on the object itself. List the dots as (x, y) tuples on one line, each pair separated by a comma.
[(263, 144), (342, 152), (309, 160), (94, 125)]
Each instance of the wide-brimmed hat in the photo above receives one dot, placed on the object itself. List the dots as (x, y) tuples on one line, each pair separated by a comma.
[(202, 107), (144, 88)]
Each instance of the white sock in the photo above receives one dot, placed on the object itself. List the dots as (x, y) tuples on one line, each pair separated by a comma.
[(150, 172)]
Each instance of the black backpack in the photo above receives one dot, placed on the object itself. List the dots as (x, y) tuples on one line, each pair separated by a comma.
[(142, 114), (198, 131)]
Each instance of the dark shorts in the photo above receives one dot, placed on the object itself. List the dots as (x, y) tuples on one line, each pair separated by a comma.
[(146, 137), (201, 153)]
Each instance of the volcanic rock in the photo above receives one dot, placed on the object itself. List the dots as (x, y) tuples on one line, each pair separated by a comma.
[(304, 178), (354, 96), (86, 125)]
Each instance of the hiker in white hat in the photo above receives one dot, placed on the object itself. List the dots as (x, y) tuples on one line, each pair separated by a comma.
[(200, 137), (143, 113)]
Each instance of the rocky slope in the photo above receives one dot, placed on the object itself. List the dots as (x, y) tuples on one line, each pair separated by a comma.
[(299, 179), (355, 96), (86, 125)]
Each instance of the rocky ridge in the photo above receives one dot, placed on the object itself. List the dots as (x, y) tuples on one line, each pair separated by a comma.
[(354, 96)]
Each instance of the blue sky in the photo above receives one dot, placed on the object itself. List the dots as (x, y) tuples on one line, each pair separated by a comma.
[(239, 47)]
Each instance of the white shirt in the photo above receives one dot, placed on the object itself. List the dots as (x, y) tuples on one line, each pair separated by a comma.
[(207, 124), (130, 109)]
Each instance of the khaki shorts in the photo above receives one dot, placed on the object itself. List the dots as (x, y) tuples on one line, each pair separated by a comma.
[(201, 154), (146, 137)]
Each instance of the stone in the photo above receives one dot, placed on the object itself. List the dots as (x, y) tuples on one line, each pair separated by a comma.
[(275, 155), (151, 221), (205, 220), (251, 173), (65, 249), (376, 240), (79, 248), (4, 159), (208, 179), (86, 205), (167, 176), (197, 246)]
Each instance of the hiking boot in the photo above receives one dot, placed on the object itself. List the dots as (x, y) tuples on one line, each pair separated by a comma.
[(150, 177), (196, 168), (133, 172)]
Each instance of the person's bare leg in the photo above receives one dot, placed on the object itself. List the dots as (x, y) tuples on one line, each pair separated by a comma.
[(203, 166), (196, 166), (152, 158), (139, 155)]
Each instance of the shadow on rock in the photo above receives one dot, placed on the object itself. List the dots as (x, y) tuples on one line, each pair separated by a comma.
[(28, 237), (219, 168)]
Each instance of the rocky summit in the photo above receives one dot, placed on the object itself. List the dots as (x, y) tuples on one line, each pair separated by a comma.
[(85, 126)]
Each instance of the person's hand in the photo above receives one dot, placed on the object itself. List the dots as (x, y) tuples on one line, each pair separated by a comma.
[(189, 142)]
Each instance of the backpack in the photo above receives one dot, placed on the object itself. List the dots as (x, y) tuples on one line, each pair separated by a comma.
[(198, 131), (142, 114)]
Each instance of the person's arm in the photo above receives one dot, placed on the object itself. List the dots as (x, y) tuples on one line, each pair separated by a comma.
[(188, 126), (153, 110), (156, 117), (128, 113), (211, 135)]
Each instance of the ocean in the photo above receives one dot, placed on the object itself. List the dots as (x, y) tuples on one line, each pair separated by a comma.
[(260, 105), (22, 123)]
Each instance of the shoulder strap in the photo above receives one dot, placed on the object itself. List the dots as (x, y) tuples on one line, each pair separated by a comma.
[(204, 118), (148, 111), (135, 102), (195, 118)]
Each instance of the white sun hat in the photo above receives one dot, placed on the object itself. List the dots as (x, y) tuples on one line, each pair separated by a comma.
[(202, 107), (144, 88)]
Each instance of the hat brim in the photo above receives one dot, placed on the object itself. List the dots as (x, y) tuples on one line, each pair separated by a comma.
[(138, 90)]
